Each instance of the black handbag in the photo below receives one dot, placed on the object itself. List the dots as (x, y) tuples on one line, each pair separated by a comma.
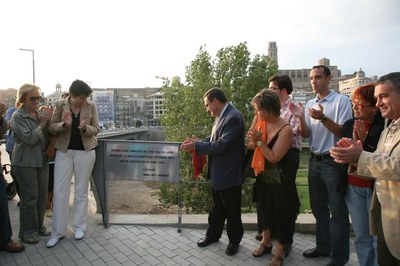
[(248, 170)]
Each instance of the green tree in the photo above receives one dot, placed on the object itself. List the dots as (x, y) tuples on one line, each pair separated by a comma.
[(241, 77)]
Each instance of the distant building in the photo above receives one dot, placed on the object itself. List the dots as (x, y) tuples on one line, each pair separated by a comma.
[(132, 107), (8, 96), (301, 77), (349, 83), (302, 90), (105, 107), (154, 108), (273, 52), (55, 96)]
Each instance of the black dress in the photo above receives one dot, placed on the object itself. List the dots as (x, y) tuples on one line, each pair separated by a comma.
[(277, 195)]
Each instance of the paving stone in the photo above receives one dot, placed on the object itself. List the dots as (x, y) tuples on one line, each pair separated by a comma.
[(99, 262), (168, 252), (105, 256), (63, 261), (120, 257), (196, 261), (181, 261), (90, 255), (152, 260), (150, 245), (136, 259), (52, 260)]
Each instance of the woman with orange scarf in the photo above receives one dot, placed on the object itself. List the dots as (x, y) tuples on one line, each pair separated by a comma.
[(270, 137)]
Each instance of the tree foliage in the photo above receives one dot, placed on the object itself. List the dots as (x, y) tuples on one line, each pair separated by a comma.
[(234, 71)]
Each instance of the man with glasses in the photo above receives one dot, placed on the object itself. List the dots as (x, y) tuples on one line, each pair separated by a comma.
[(383, 166), (282, 86), (326, 179)]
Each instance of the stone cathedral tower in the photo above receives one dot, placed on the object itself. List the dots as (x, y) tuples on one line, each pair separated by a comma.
[(273, 52)]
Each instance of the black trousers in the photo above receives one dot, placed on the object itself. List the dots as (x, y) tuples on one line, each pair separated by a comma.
[(226, 206), (290, 167), (5, 224)]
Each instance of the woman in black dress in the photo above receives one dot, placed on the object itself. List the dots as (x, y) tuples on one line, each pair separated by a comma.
[(275, 193)]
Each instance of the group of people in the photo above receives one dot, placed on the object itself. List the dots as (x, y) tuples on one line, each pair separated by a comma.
[(74, 123), (353, 168)]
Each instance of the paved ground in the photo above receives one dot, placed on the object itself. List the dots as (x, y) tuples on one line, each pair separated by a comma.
[(153, 244), (153, 240)]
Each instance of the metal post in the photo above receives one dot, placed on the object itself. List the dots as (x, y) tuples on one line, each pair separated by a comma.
[(33, 61)]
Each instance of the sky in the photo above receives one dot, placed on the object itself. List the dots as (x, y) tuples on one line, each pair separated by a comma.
[(127, 43)]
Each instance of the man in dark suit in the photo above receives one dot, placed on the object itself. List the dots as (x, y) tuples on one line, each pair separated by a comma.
[(225, 149), (6, 243)]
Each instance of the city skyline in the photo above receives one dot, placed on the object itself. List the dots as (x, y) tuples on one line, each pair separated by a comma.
[(126, 45)]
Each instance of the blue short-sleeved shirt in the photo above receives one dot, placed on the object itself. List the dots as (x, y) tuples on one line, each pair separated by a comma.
[(338, 108), (10, 139)]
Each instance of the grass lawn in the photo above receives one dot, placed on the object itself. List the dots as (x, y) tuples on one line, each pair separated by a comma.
[(302, 190)]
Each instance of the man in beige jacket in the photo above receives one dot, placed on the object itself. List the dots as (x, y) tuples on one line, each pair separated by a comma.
[(384, 166)]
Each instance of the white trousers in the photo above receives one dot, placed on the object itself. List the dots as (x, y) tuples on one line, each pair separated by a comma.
[(80, 164)]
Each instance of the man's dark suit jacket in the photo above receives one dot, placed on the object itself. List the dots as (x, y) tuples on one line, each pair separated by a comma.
[(226, 150)]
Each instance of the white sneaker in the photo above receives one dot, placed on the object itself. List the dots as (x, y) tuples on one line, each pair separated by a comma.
[(79, 234), (53, 241)]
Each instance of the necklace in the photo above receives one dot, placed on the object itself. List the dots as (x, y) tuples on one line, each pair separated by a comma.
[(75, 114)]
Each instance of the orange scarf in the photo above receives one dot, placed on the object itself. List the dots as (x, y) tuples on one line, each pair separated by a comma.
[(258, 162)]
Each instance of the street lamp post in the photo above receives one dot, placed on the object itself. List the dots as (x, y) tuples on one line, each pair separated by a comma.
[(164, 79), (33, 61)]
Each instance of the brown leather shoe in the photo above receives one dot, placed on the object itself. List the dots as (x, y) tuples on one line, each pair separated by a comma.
[(13, 247)]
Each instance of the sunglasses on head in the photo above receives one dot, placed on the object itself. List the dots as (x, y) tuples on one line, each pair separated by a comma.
[(35, 98)]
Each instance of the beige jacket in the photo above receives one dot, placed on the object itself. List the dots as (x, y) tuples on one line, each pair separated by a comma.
[(387, 170), (88, 112)]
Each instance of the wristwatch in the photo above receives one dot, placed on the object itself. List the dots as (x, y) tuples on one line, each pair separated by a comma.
[(322, 118), (259, 143)]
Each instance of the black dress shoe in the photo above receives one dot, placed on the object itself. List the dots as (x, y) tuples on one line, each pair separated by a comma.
[(232, 249), (330, 264), (259, 237), (204, 242), (314, 253)]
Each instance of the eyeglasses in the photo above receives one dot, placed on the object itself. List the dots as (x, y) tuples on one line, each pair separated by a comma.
[(35, 98), (359, 105)]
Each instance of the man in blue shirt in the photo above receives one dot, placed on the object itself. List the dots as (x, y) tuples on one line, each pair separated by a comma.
[(325, 177), (10, 142)]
